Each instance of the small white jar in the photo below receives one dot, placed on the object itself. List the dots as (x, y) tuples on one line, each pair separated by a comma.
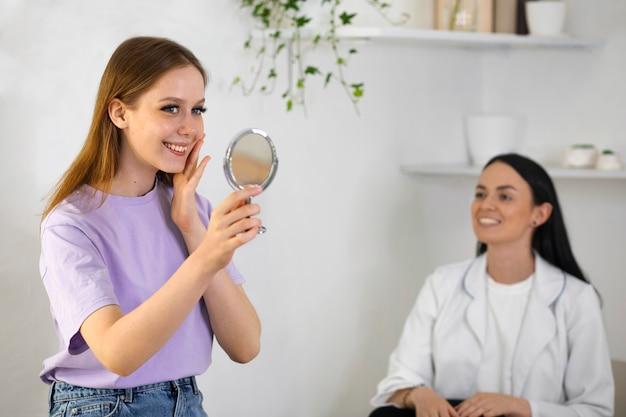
[(609, 161), (580, 156)]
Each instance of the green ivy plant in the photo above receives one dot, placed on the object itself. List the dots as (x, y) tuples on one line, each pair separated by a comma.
[(279, 26)]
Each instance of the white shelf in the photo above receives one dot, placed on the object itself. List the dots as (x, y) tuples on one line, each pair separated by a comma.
[(448, 38), (474, 171)]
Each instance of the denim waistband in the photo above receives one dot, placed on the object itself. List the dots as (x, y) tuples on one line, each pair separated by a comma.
[(61, 391)]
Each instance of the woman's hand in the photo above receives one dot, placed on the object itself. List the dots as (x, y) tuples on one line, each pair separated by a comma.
[(487, 404), (427, 403), (184, 210), (231, 225)]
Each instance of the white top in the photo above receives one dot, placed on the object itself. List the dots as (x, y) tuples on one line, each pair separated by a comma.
[(507, 304)]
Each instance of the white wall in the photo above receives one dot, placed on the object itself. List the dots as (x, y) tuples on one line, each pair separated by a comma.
[(350, 238)]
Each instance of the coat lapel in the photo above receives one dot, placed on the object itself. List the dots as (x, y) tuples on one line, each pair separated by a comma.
[(539, 324), (475, 285)]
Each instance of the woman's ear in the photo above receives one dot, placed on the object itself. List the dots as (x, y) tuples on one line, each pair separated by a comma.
[(542, 214), (117, 113)]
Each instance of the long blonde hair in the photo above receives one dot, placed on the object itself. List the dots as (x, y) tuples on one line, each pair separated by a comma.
[(133, 68)]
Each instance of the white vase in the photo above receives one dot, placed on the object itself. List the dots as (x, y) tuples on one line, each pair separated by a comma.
[(491, 135), (545, 18)]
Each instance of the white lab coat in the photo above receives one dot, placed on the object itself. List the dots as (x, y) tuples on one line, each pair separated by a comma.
[(561, 362)]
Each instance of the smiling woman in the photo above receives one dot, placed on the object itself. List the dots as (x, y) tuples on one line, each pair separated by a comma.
[(136, 264), (517, 330)]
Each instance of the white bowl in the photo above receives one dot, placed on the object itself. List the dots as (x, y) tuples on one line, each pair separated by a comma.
[(577, 157)]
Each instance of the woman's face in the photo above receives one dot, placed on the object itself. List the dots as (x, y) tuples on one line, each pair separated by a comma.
[(503, 210), (166, 121)]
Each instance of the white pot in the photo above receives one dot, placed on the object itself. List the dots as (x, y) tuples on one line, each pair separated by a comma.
[(491, 135), (545, 18), (609, 162), (580, 157)]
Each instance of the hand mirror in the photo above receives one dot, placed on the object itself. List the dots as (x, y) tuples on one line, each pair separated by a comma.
[(251, 159)]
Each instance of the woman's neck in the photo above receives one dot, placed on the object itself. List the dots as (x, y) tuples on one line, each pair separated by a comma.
[(508, 264), (133, 182)]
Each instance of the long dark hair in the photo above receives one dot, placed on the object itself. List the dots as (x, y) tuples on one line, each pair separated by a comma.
[(549, 239)]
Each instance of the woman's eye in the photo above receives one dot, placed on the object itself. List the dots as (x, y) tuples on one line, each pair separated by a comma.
[(505, 197), (172, 108), (479, 195), (198, 110)]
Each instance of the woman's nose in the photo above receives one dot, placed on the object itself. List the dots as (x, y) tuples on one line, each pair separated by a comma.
[(188, 130), (189, 127)]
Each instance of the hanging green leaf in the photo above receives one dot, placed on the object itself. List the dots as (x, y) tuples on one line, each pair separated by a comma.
[(272, 73), (357, 90), (300, 83), (310, 70), (300, 21), (327, 79), (291, 5), (289, 105), (346, 18), (278, 49)]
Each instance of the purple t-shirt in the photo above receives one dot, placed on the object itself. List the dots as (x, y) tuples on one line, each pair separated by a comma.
[(119, 253)]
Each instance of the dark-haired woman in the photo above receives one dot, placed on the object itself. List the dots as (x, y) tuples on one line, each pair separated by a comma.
[(516, 331)]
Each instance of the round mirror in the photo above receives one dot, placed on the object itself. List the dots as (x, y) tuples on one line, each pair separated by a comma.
[(251, 159)]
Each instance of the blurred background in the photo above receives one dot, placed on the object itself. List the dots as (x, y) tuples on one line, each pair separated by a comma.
[(354, 227)]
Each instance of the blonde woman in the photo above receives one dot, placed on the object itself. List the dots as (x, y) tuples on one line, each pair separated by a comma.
[(136, 264)]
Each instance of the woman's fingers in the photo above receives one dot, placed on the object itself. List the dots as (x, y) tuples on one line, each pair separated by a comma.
[(242, 225), (247, 210), (236, 199), (242, 238), (192, 159), (471, 410), (451, 411), (197, 175)]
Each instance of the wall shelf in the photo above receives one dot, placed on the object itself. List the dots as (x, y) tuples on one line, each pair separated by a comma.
[(474, 171), (445, 38)]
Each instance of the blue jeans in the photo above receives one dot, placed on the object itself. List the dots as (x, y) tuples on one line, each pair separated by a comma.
[(180, 398)]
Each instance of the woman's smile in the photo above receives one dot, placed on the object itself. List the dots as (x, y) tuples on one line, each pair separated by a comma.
[(176, 149), (488, 221)]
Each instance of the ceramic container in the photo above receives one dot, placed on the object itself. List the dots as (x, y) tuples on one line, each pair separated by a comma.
[(545, 18), (580, 156), (490, 135)]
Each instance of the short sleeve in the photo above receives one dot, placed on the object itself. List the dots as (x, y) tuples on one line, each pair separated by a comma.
[(204, 207), (76, 280)]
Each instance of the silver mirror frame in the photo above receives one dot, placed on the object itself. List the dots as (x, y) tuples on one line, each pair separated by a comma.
[(228, 159)]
